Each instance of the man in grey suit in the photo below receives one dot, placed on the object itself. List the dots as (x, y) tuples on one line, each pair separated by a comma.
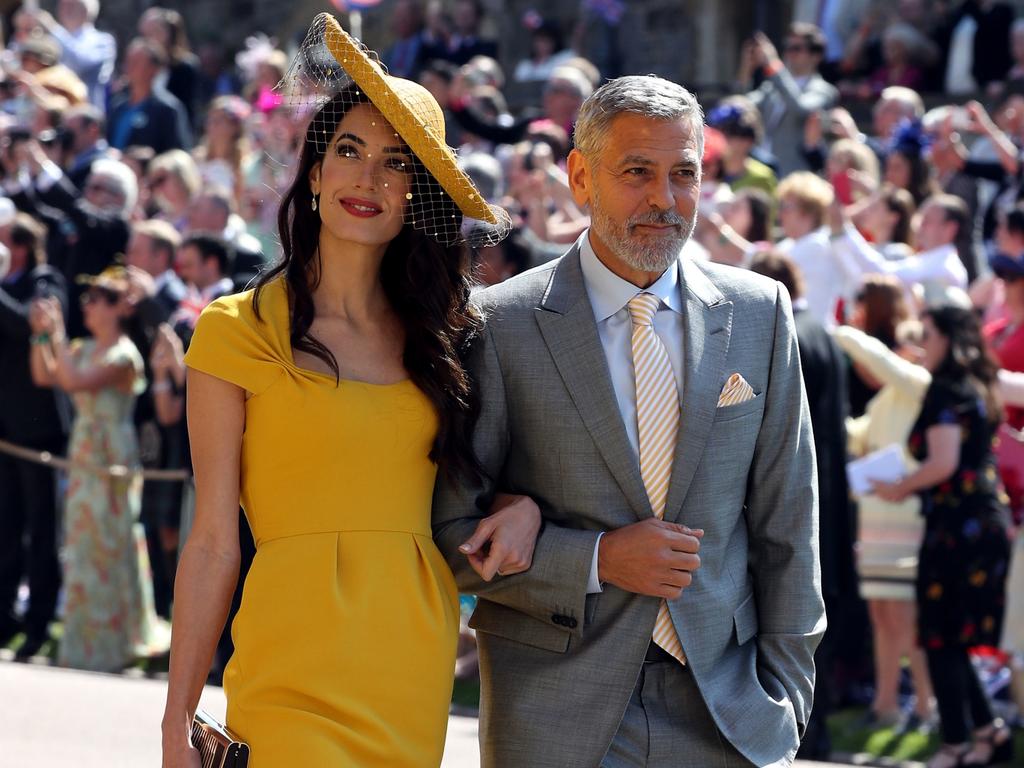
[(792, 90), (613, 649)]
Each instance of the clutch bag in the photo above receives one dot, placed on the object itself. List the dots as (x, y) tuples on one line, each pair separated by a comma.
[(218, 747)]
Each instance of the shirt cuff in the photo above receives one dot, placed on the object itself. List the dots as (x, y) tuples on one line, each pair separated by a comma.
[(49, 174), (594, 584)]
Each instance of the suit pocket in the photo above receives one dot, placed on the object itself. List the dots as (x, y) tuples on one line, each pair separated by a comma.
[(494, 619), (745, 619), (730, 412)]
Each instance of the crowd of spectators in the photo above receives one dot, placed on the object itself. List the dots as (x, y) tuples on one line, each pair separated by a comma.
[(140, 184)]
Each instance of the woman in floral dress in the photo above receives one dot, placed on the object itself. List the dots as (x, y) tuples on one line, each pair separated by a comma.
[(965, 551), (109, 619)]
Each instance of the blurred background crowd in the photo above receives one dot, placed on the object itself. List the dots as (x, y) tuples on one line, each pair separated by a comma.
[(870, 156)]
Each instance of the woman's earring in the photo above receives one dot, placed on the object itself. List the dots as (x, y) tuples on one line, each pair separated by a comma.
[(313, 205)]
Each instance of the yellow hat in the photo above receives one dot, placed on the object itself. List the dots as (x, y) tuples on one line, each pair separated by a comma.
[(412, 111), (113, 278)]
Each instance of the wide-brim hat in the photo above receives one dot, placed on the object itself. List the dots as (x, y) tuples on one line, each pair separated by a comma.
[(113, 278), (411, 110)]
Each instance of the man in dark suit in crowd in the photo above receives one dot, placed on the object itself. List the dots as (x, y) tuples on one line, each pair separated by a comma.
[(86, 127), (824, 372), (145, 114), (29, 417), (151, 248), (86, 230)]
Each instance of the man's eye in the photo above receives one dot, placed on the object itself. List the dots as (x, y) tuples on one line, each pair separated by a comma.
[(636, 171)]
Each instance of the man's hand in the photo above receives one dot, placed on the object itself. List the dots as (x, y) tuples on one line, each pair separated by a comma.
[(651, 557)]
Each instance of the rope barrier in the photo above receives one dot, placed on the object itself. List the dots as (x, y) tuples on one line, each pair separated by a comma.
[(116, 471)]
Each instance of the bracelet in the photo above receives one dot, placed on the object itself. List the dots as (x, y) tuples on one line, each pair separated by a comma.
[(40, 339)]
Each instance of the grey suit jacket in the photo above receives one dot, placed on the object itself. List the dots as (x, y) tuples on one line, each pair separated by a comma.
[(558, 666), (785, 107)]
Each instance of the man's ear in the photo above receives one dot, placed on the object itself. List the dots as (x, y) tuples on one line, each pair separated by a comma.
[(580, 178), (314, 177)]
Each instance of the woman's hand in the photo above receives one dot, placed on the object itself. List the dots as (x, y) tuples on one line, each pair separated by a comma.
[(38, 319), (503, 541), (892, 492), (181, 755)]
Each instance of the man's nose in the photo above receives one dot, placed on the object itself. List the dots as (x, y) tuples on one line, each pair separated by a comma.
[(660, 194)]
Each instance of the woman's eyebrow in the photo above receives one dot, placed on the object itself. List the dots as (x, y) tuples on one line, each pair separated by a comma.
[(356, 140)]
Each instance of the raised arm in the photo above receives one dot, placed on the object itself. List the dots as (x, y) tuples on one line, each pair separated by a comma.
[(208, 569), (882, 363)]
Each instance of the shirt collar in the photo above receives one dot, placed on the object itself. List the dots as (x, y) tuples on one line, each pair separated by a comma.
[(609, 293)]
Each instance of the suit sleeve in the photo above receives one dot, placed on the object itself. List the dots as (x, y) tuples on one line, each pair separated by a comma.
[(782, 523), (556, 584)]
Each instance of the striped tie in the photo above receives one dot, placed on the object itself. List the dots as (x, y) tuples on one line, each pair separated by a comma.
[(657, 417)]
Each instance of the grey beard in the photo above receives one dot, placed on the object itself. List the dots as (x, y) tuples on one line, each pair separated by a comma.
[(654, 256)]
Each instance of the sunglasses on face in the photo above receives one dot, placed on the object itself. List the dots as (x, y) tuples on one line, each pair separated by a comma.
[(94, 295), (98, 186), (795, 48)]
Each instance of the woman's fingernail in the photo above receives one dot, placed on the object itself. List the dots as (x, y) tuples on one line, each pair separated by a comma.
[(464, 548)]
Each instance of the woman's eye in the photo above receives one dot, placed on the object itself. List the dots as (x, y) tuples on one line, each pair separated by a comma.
[(347, 150), (399, 164)]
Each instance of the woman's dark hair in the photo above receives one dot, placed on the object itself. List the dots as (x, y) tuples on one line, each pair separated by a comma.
[(922, 182), (760, 204), (900, 202), (30, 234), (968, 358), (427, 284), (885, 307)]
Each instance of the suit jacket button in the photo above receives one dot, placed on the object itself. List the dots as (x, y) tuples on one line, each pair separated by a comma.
[(571, 623), (559, 619)]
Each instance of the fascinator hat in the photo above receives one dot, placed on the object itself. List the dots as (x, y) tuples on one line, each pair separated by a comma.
[(332, 73)]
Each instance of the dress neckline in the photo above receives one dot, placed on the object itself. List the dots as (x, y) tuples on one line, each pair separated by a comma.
[(289, 352)]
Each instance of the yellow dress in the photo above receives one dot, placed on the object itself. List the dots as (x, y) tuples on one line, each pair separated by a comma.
[(345, 640)]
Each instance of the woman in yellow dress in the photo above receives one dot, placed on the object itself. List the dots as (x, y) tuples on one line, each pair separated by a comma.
[(327, 400)]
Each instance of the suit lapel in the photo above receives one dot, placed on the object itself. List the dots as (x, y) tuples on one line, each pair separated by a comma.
[(708, 325), (566, 322)]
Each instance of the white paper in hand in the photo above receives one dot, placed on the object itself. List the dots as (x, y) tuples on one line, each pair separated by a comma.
[(886, 465)]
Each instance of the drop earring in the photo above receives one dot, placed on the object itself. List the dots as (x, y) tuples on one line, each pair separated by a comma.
[(313, 204)]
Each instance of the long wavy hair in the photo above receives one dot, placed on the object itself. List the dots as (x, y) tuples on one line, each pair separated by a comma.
[(427, 284), (968, 358)]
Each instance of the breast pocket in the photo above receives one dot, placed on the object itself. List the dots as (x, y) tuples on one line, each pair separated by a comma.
[(738, 411)]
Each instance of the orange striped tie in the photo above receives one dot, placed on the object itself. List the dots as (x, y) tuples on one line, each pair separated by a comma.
[(657, 416)]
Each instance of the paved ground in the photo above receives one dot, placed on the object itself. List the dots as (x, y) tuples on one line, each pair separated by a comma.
[(54, 717)]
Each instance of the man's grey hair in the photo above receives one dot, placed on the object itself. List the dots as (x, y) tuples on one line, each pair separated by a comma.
[(121, 175), (645, 95)]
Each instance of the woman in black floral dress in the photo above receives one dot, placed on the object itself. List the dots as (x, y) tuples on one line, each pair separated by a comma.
[(965, 551)]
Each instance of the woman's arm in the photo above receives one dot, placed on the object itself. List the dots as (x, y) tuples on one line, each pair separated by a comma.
[(882, 363), (1011, 388), (71, 378), (208, 570), (943, 458)]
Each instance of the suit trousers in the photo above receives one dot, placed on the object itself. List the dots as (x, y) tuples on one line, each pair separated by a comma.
[(28, 511), (667, 724)]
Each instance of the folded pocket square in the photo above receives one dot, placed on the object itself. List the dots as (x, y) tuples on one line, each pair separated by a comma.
[(735, 391)]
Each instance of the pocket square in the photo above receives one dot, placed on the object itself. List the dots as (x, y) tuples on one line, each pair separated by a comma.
[(735, 391)]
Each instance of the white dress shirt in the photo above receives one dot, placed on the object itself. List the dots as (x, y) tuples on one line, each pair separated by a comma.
[(935, 269), (609, 296), (824, 285)]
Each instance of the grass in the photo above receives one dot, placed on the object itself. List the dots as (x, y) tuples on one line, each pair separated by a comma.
[(851, 737)]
